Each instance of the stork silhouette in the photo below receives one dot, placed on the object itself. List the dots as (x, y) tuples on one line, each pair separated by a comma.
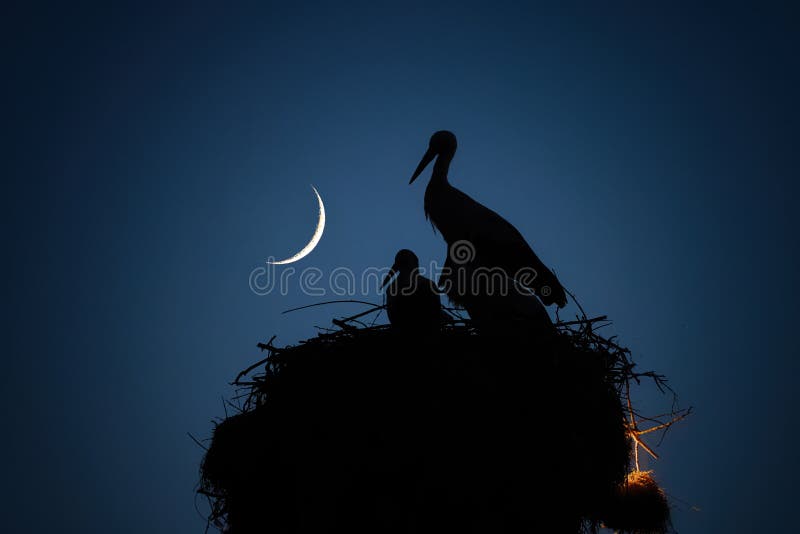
[(495, 242), (412, 300)]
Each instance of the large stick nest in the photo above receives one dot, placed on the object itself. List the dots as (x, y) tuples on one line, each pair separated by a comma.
[(370, 429)]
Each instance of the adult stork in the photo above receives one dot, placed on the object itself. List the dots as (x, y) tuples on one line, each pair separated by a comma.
[(412, 300), (492, 241)]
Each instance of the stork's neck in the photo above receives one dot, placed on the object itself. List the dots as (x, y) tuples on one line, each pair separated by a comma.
[(438, 191), (440, 168)]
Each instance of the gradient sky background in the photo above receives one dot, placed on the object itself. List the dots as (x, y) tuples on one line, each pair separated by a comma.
[(156, 156)]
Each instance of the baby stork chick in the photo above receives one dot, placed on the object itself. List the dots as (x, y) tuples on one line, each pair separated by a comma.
[(412, 300)]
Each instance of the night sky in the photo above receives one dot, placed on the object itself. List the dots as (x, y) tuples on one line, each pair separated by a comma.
[(154, 157)]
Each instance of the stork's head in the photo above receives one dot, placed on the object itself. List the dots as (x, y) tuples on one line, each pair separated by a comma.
[(405, 263), (441, 143)]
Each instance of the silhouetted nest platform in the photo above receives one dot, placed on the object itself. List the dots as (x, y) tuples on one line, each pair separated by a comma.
[(367, 429)]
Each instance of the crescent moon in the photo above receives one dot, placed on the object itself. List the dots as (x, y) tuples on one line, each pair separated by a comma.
[(314, 238)]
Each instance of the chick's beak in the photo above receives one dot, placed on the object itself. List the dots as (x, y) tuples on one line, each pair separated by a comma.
[(389, 276)]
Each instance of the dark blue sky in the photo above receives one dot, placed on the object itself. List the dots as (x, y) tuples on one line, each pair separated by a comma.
[(155, 156)]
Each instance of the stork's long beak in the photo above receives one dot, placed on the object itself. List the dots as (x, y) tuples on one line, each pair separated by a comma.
[(427, 158), (389, 276)]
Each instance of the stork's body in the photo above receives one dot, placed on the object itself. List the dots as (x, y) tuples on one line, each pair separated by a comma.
[(496, 302), (495, 241), (412, 300)]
